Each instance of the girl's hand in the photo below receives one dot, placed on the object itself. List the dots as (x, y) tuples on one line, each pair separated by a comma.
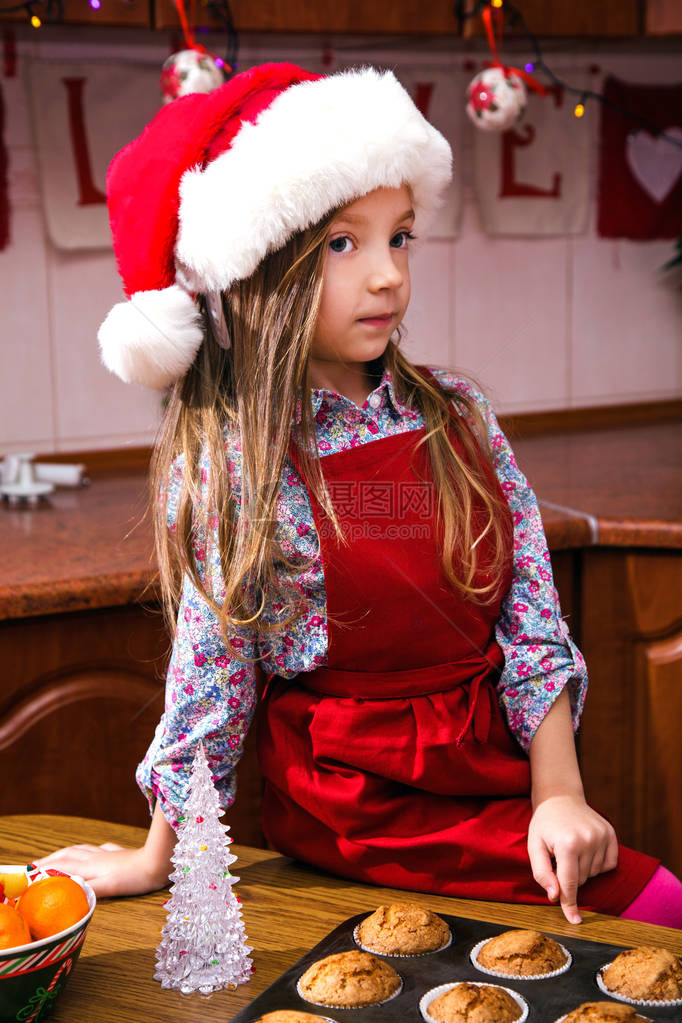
[(581, 842), (109, 868), (113, 870)]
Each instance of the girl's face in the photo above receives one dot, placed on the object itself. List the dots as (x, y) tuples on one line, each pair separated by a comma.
[(366, 280)]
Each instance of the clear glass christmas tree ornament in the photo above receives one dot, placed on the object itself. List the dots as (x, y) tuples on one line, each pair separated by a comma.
[(203, 944)]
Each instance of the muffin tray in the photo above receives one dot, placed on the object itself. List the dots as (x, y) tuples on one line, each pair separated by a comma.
[(548, 1000)]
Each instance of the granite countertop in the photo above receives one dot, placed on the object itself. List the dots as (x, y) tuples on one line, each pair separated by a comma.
[(85, 548), (92, 547), (615, 487)]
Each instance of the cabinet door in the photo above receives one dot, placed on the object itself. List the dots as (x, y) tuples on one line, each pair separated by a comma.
[(579, 18), (81, 697), (663, 17), (387, 17), (630, 737)]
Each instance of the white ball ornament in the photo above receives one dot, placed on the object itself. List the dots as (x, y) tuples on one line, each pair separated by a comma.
[(189, 71), (495, 99)]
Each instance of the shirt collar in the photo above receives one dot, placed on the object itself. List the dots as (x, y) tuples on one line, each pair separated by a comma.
[(385, 391)]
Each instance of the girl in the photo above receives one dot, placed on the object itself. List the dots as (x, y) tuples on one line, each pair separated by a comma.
[(352, 523)]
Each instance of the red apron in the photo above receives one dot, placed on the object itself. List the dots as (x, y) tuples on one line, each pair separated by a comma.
[(394, 764)]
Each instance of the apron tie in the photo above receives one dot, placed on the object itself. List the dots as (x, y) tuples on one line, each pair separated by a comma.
[(479, 710), (478, 714), (410, 683)]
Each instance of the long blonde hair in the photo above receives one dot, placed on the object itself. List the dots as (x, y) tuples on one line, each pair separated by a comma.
[(251, 392)]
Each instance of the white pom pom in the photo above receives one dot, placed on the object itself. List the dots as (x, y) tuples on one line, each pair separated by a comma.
[(153, 338)]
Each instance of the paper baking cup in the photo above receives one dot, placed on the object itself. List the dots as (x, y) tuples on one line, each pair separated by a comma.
[(426, 999), (670, 1004), (323, 1019), (473, 955), (399, 955), (324, 1005), (562, 1019)]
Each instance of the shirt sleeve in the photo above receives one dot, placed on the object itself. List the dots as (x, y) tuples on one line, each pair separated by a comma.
[(540, 658), (210, 697)]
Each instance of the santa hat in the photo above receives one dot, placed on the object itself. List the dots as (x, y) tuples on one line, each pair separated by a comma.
[(217, 181)]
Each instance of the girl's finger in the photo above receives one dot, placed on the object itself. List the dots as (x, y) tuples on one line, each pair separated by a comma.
[(76, 853), (597, 864), (72, 851), (585, 867), (567, 869), (541, 865), (611, 858)]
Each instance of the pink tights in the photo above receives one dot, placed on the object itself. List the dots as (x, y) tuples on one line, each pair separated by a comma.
[(659, 902)]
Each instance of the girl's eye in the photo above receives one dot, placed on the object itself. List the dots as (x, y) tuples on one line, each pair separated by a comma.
[(400, 240), (341, 244)]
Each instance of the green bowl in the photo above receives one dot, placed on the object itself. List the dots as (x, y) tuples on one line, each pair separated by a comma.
[(33, 976)]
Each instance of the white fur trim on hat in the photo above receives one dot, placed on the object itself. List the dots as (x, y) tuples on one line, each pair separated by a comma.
[(153, 338), (318, 145)]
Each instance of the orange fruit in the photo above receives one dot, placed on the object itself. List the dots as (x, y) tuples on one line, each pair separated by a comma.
[(51, 905), (13, 928)]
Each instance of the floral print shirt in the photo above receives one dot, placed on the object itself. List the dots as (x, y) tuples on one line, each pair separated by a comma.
[(211, 696)]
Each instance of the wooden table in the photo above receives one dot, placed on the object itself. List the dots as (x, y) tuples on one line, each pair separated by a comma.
[(287, 908)]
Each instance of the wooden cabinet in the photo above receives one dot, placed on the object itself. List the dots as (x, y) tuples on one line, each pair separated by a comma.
[(412, 17), (663, 17), (631, 749), (82, 694), (381, 17), (582, 18), (624, 609)]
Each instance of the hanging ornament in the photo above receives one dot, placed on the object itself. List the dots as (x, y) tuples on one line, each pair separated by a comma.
[(495, 99), (194, 69), (190, 71), (203, 944), (496, 96)]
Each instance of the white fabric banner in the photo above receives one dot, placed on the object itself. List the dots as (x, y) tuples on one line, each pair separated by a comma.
[(534, 178), (438, 93), (82, 114)]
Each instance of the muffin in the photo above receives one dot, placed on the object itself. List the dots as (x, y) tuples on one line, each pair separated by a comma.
[(644, 974), (349, 980), (521, 954), (403, 929), (475, 1003), (291, 1016), (604, 1012)]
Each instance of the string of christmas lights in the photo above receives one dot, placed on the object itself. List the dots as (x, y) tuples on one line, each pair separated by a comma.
[(220, 9), (462, 9), (514, 19), (52, 12)]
